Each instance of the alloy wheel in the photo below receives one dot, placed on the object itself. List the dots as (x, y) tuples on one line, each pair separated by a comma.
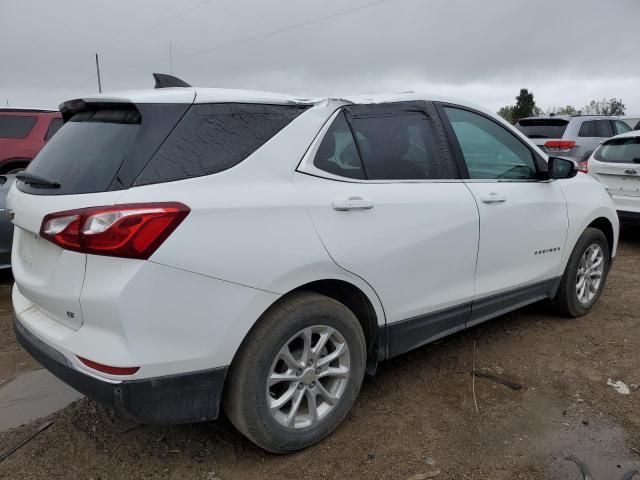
[(590, 273), (308, 377)]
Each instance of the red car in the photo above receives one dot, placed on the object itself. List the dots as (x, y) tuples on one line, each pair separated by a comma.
[(23, 133)]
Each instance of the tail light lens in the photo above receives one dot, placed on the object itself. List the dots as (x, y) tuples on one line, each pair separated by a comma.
[(583, 166), (129, 230), (559, 145)]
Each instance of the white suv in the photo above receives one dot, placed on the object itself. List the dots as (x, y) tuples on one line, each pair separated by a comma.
[(181, 249), (616, 163)]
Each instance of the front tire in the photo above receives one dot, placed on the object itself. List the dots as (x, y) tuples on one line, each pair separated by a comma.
[(585, 274), (297, 374)]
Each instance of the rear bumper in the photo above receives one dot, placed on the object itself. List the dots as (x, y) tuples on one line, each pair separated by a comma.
[(168, 400)]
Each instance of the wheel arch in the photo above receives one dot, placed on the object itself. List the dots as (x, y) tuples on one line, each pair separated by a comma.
[(360, 299), (357, 301), (604, 225)]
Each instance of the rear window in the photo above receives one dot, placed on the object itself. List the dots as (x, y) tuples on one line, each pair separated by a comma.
[(16, 126), (84, 155), (543, 127), (212, 138), (596, 128), (620, 150)]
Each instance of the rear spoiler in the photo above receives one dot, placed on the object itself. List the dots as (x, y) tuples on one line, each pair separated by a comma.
[(71, 107)]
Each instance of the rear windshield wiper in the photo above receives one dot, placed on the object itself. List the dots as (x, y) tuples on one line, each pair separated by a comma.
[(32, 179)]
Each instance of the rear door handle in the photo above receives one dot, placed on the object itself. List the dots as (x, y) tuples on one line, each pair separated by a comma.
[(493, 197), (352, 203)]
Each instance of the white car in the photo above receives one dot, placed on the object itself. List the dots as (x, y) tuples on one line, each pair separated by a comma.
[(183, 249), (616, 163)]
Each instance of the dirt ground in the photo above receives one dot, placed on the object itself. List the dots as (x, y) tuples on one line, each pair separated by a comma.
[(415, 419)]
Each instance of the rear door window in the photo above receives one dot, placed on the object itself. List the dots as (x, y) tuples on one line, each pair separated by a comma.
[(401, 141), (16, 126), (212, 138), (619, 150), (596, 128), (543, 127)]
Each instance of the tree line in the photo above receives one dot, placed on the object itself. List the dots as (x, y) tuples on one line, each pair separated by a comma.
[(525, 106)]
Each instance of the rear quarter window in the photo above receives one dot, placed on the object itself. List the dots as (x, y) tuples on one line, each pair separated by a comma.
[(16, 126), (212, 138)]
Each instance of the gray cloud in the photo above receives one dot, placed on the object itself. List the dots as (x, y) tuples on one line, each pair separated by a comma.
[(565, 51)]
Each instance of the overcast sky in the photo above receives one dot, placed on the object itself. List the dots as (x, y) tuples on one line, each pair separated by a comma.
[(565, 51)]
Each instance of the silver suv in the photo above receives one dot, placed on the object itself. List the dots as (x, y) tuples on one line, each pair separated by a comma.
[(575, 137)]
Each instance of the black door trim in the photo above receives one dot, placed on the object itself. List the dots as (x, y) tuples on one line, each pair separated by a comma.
[(408, 334), (405, 335), (496, 305)]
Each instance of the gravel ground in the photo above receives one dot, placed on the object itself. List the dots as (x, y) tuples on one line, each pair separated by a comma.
[(415, 419)]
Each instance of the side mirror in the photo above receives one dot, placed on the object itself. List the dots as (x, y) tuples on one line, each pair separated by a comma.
[(562, 168)]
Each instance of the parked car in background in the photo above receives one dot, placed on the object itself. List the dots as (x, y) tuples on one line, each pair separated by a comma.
[(616, 164), (575, 137), (23, 133), (633, 122), (257, 252), (6, 227)]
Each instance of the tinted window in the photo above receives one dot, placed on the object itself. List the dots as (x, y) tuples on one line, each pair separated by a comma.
[(596, 128), (399, 147), (16, 126), (621, 127), (490, 151), (619, 150), (543, 127), (338, 153), (87, 151), (211, 138), (54, 126)]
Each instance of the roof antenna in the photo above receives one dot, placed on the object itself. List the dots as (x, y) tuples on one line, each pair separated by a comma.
[(167, 81)]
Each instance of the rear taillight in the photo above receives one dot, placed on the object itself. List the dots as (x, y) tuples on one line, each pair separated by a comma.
[(583, 166), (130, 230), (559, 145)]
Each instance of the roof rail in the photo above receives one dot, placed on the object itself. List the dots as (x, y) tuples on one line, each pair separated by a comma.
[(593, 115), (166, 81)]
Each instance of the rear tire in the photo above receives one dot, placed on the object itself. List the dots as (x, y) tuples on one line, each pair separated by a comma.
[(323, 382), (585, 275)]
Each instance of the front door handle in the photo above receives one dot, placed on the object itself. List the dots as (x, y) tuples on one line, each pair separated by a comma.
[(352, 203), (493, 197)]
